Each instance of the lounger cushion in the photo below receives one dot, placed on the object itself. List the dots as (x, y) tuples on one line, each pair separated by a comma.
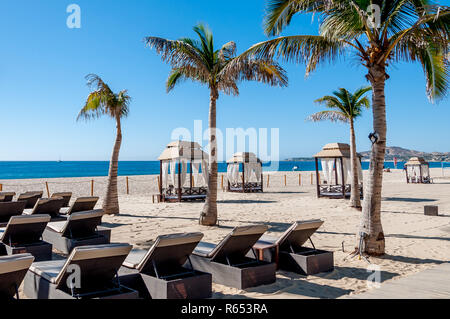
[(208, 250), (57, 226), (15, 263), (134, 258), (61, 226), (48, 270)]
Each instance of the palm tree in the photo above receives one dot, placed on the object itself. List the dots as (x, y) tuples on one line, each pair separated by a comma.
[(103, 101), (379, 33), (346, 107), (199, 61)]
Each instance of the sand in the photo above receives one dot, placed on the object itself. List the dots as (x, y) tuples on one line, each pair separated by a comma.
[(414, 242)]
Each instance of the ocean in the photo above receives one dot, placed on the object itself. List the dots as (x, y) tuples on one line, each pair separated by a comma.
[(31, 170)]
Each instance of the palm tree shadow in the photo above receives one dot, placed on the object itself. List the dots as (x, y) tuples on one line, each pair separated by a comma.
[(410, 200), (412, 260), (245, 201), (356, 273)]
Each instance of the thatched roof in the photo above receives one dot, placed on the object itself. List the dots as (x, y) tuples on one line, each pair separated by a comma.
[(416, 161), (333, 150), (183, 150), (244, 158)]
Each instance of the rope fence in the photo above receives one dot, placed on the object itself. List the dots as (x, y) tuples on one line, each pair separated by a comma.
[(126, 183)]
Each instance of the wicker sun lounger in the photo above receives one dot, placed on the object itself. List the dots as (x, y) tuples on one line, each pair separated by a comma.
[(30, 197), (228, 263), (289, 253), (10, 209), (161, 273), (12, 272), (48, 206), (80, 229), (81, 204), (6, 196), (90, 272), (65, 195), (23, 235)]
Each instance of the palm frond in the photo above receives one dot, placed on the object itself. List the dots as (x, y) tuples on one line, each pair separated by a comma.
[(333, 116)]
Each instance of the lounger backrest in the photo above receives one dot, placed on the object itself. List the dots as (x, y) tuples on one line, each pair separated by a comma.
[(12, 272), (298, 234), (50, 206), (6, 196), (82, 224), (83, 204), (25, 229), (66, 196), (30, 197), (239, 242), (97, 265), (170, 252), (9, 209)]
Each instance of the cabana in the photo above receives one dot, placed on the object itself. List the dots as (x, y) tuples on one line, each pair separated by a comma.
[(174, 162), (418, 171), (336, 169), (250, 166)]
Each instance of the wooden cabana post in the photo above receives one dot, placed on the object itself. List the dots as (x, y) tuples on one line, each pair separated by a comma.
[(418, 162)]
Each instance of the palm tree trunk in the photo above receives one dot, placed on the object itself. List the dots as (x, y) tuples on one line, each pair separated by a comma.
[(371, 228), (208, 216), (111, 202), (355, 198)]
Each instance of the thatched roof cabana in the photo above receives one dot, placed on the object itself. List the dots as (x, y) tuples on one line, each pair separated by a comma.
[(336, 169), (251, 179), (418, 171), (178, 157)]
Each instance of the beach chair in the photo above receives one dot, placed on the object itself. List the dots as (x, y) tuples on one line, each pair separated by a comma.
[(12, 272), (89, 272), (23, 235), (9, 209), (161, 273), (6, 196), (30, 197), (288, 251), (79, 229), (65, 195), (228, 263), (81, 204), (48, 206)]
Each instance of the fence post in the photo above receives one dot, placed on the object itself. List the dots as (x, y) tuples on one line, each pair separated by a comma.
[(92, 187), (1, 187), (222, 182), (299, 179), (268, 180), (48, 191), (285, 181), (128, 187)]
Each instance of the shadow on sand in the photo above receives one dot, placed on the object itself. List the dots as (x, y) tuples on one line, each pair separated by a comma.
[(409, 200)]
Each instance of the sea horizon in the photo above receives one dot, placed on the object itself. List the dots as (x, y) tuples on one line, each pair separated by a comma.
[(11, 170)]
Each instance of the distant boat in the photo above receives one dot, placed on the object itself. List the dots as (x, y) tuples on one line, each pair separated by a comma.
[(296, 168)]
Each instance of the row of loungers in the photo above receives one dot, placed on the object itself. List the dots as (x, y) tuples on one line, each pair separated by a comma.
[(176, 266)]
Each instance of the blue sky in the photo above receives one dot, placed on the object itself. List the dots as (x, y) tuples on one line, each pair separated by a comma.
[(43, 64)]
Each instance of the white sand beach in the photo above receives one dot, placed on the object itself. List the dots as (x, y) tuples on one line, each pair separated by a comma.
[(414, 242)]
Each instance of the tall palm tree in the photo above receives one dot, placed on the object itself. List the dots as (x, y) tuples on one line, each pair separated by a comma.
[(379, 33), (103, 101), (199, 61), (346, 107)]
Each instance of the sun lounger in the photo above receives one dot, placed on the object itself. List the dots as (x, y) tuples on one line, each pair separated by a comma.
[(6, 196), (292, 256), (23, 235), (30, 197), (80, 229), (159, 273), (12, 272), (89, 272), (65, 195), (48, 206), (9, 209), (81, 204), (228, 263)]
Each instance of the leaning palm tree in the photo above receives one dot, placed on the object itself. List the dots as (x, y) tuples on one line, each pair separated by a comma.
[(346, 107), (199, 61), (379, 33), (103, 101)]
